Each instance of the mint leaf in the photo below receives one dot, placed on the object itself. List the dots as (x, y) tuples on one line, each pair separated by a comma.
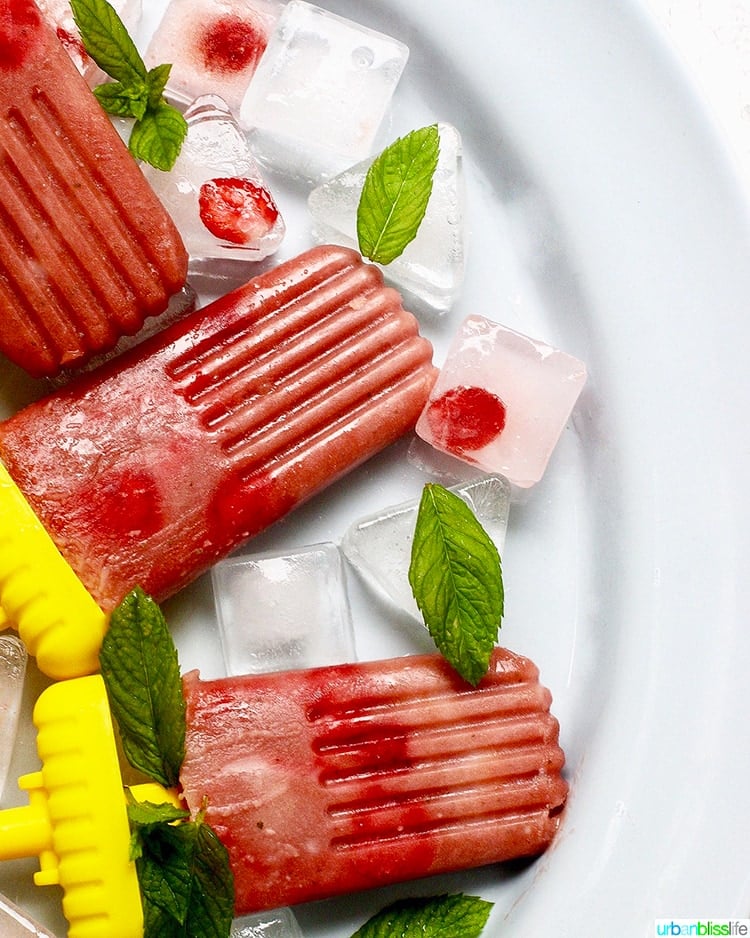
[(186, 882), (156, 81), (143, 816), (456, 577), (157, 138), (123, 100), (159, 129), (142, 675), (395, 194), (457, 916), (107, 41)]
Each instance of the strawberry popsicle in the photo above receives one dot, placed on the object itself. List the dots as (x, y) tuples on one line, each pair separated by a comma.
[(150, 469), (338, 779), (87, 251)]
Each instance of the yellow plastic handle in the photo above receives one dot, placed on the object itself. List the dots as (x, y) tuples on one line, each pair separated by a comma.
[(41, 596), (76, 820)]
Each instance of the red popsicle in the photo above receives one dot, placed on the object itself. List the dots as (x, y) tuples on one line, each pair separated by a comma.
[(87, 251), (150, 469), (337, 779)]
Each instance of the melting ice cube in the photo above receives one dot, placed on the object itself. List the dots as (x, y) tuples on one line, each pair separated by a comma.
[(14, 923), (501, 400), (320, 92), (215, 192), (280, 923), (214, 46), (431, 267), (379, 546), (279, 611), (12, 672), (60, 16)]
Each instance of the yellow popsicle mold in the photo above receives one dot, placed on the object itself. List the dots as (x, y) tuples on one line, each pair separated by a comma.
[(76, 820), (40, 595)]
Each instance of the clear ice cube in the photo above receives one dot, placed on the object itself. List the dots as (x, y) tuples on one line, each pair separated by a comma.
[(279, 611), (12, 673), (431, 267), (14, 923), (280, 923), (379, 546), (59, 15), (214, 46), (501, 400), (215, 192), (320, 92)]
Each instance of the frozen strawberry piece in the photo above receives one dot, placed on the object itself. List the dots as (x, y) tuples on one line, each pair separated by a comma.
[(337, 779), (87, 251), (153, 467), (216, 193)]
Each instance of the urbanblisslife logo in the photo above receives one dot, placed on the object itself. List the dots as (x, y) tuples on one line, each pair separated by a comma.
[(704, 926)]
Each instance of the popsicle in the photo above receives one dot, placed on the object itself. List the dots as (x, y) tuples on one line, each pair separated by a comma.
[(150, 469), (87, 251), (337, 779)]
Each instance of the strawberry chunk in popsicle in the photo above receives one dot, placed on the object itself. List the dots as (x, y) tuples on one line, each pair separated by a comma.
[(338, 779), (150, 469), (87, 251)]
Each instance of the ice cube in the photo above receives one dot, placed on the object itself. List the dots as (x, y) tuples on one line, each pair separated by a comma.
[(12, 672), (280, 923), (431, 267), (379, 546), (214, 46), (215, 192), (279, 611), (320, 92), (501, 400), (59, 15), (14, 923)]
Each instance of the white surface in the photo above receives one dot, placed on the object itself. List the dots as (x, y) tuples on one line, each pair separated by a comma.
[(606, 218)]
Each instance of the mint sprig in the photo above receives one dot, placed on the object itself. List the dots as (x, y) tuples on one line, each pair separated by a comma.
[(456, 577), (395, 194), (159, 129), (454, 916), (184, 875), (141, 672)]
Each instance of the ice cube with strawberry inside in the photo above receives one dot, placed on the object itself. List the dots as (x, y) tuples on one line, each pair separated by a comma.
[(501, 400), (215, 192)]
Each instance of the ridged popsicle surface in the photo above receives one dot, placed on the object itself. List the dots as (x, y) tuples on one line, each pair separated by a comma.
[(337, 779), (87, 252), (153, 467)]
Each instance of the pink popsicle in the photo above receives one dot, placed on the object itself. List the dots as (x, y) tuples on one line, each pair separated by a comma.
[(151, 468), (338, 779), (87, 251)]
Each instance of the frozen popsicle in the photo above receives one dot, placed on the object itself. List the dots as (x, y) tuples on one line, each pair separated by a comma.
[(342, 778), (152, 468), (87, 251)]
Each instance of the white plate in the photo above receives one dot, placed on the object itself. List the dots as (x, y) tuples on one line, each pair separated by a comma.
[(605, 219)]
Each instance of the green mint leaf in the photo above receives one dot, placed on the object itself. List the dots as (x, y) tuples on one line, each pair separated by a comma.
[(456, 577), (143, 816), (123, 100), (142, 675), (158, 137), (156, 80), (186, 882), (106, 40), (395, 194), (456, 916)]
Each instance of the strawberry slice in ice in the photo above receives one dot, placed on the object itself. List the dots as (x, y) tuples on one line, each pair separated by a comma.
[(237, 210)]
